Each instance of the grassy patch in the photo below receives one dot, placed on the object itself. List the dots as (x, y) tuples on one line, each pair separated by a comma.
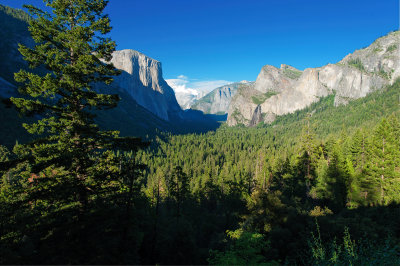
[(292, 74), (391, 48), (259, 99), (357, 64), (385, 74)]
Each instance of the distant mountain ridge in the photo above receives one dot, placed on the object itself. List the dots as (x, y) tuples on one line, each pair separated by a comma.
[(218, 100), (285, 90)]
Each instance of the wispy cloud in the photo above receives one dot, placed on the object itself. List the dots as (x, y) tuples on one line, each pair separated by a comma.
[(184, 84)]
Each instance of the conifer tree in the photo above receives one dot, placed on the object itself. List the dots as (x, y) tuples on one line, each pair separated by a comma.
[(338, 178), (382, 163), (358, 148), (307, 159), (178, 188), (71, 165), (70, 43)]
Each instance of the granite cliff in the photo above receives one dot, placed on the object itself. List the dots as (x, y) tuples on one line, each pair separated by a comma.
[(285, 90), (142, 80)]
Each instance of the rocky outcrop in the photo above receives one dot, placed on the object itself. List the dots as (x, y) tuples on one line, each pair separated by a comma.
[(381, 57), (272, 85), (275, 79), (218, 100), (142, 79), (285, 90), (257, 116)]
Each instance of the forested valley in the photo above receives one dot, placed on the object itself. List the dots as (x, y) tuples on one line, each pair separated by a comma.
[(320, 186)]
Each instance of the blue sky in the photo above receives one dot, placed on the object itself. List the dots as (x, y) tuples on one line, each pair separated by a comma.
[(230, 40)]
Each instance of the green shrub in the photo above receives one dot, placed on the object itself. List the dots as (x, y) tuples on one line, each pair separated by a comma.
[(357, 64), (245, 248), (391, 48), (351, 252)]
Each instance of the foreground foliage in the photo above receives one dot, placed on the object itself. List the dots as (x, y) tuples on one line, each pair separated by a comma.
[(265, 186), (57, 187)]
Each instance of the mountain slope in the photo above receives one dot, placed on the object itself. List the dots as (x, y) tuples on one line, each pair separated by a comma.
[(218, 100), (13, 30), (287, 89)]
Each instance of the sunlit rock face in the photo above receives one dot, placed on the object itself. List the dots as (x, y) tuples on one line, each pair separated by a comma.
[(142, 79), (279, 91)]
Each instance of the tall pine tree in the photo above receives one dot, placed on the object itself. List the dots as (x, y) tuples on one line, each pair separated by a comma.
[(382, 167), (73, 172)]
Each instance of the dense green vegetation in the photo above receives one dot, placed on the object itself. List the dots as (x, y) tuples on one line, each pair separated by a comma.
[(282, 195), (331, 171), (13, 131), (316, 187), (55, 187)]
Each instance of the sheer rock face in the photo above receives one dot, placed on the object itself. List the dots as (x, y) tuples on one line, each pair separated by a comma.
[(218, 100), (242, 106), (353, 77), (142, 79), (348, 82), (306, 90), (381, 57), (273, 79)]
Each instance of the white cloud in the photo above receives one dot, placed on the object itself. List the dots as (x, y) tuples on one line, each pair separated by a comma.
[(187, 90), (182, 77)]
